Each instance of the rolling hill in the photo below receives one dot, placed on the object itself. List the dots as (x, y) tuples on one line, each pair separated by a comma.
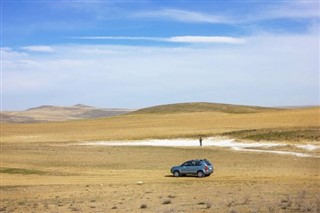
[(47, 113), (168, 121), (201, 107)]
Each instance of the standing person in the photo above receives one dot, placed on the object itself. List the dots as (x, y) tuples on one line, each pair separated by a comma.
[(200, 140)]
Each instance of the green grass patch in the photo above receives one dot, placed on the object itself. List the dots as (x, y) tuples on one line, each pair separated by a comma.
[(294, 134), (201, 107), (21, 171)]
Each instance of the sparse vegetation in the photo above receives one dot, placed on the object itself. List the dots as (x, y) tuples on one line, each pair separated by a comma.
[(286, 202), (143, 206), (231, 203), (21, 171), (279, 134), (208, 205), (74, 209), (166, 201), (245, 200)]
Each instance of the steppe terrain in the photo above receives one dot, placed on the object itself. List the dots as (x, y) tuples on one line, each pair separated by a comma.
[(49, 113), (44, 169)]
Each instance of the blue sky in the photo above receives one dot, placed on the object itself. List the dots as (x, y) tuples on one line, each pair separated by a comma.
[(144, 53)]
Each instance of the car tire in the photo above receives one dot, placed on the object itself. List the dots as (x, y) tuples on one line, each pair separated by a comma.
[(176, 173), (200, 174)]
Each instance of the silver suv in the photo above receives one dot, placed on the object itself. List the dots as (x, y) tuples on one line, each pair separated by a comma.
[(200, 168)]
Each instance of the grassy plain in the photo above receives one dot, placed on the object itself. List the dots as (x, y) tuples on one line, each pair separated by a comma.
[(105, 179), (176, 125), (43, 170)]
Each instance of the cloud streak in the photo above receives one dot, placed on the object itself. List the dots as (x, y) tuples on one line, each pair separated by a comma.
[(290, 10), (40, 48), (174, 39), (183, 16), (206, 39)]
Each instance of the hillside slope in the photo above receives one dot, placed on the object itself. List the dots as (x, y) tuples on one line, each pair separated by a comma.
[(283, 124), (49, 113), (201, 107)]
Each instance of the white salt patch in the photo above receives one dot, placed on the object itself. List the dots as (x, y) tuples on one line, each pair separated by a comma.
[(229, 143), (276, 152), (232, 144), (308, 147), (215, 142)]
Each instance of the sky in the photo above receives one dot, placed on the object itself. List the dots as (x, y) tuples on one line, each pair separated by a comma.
[(135, 54)]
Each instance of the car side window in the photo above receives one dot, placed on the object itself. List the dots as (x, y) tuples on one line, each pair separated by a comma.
[(198, 163), (189, 163)]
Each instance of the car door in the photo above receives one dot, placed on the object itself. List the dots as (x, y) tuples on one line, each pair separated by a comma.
[(197, 167), (186, 167)]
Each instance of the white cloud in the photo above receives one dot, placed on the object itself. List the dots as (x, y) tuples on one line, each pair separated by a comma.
[(42, 49), (265, 70), (280, 10), (183, 16), (8, 53), (120, 38), (206, 39), (283, 10), (291, 10), (175, 39)]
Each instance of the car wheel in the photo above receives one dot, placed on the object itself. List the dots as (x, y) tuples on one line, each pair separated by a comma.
[(200, 174), (176, 173)]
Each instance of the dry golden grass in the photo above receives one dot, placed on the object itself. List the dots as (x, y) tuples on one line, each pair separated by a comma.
[(40, 173), (104, 179), (142, 126)]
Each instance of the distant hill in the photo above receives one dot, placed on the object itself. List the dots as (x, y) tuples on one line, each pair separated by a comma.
[(201, 107), (49, 107), (82, 106), (47, 113), (299, 107)]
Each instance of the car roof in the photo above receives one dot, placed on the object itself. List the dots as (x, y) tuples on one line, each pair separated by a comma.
[(196, 160)]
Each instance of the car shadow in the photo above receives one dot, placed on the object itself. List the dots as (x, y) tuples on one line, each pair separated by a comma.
[(187, 176)]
